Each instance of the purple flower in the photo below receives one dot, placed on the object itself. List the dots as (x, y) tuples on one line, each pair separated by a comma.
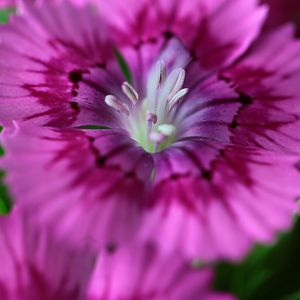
[(198, 146), (34, 265)]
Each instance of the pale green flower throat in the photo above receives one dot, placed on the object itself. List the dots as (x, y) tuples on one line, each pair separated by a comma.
[(151, 121)]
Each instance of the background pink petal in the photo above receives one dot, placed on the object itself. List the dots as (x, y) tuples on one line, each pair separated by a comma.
[(34, 265), (7, 3), (142, 272)]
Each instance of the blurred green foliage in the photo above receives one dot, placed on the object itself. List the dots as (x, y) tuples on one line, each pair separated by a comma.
[(5, 201), (269, 272), (4, 14)]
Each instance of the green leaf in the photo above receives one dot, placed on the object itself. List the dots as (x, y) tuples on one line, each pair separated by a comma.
[(295, 296), (5, 200), (123, 66), (93, 127), (5, 13)]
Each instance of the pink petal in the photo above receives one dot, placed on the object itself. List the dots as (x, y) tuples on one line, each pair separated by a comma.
[(90, 186), (7, 3), (207, 28), (217, 205), (209, 109), (269, 77), (53, 66), (142, 272)]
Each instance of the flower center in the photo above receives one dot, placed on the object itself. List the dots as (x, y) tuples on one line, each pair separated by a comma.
[(152, 120)]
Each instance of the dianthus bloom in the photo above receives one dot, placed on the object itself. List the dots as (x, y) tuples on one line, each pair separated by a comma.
[(194, 143), (35, 266)]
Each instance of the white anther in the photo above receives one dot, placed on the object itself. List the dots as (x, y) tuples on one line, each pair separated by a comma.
[(166, 129), (151, 117), (156, 137), (130, 92), (178, 82), (177, 97), (119, 106), (163, 73)]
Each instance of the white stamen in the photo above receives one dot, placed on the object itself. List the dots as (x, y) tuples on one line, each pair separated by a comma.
[(177, 97), (151, 121), (151, 117), (179, 80), (156, 137), (153, 86), (163, 73), (119, 106), (166, 129), (130, 92)]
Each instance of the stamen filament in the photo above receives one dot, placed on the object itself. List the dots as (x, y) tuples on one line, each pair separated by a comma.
[(177, 97), (179, 80), (163, 73), (119, 106), (130, 92)]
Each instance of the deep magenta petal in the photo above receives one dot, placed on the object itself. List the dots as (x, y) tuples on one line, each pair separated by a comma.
[(58, 73), (88, 185), (207, 28), (282, 11), (268, 77)]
